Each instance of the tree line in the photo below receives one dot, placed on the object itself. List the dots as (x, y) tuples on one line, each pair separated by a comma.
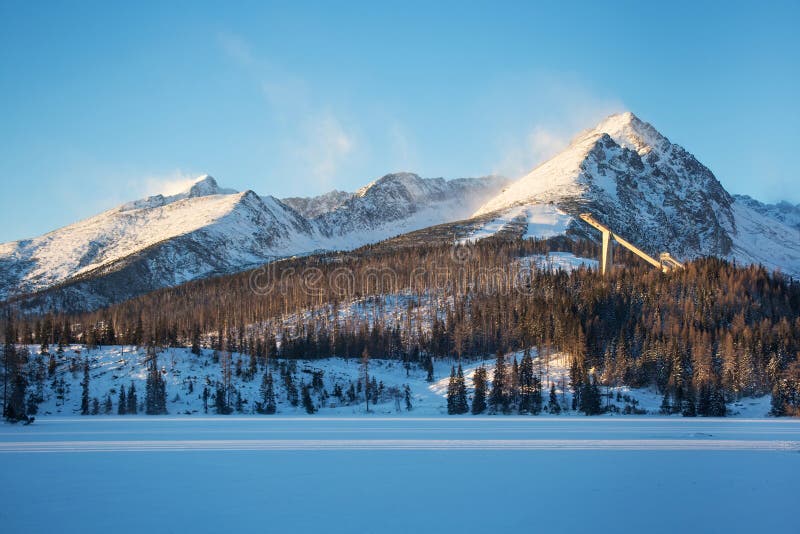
[(703, 336)]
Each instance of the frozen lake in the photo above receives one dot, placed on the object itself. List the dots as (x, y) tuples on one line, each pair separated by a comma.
[(457, 474)]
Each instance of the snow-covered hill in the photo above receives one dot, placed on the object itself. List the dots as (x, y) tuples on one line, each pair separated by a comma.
[(650, 190), (163, 241)]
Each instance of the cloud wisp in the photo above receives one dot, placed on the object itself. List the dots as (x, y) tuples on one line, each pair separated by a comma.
[(318, 140), (556, 109)]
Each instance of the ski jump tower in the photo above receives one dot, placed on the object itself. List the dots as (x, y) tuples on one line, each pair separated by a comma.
[(665, 262)]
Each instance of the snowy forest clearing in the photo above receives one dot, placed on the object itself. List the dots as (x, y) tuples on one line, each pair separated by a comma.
[(398, 474), (334, 385)]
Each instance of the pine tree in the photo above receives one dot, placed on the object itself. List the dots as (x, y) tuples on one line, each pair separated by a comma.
[(590, 402), (51, 366), (778, 401), (122, 402), (552, 405), (498, 401), (9, 363), (717, 408), (155, 395), (132, 400), (704, 400), (429, 368), (461, 403), (267, 404), (530, 387), (689, 403), (196, 340), (365, 374), (513, 386), (292, 397), (666, 407), (407, 394), (479, 396), (85, 388), (451, 392), (221, 400), (308, 404), (15, 378)]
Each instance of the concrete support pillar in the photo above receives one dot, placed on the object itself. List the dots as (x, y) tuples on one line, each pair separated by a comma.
[(606, 260)]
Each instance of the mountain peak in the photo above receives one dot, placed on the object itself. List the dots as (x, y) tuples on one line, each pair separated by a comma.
[(205, 185), (399, 178), (629, 131)]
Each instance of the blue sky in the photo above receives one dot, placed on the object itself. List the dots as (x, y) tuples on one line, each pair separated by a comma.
[(105, 102)]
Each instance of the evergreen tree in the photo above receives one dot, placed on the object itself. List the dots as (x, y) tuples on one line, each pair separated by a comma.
[(530, 387), (778, 401), (292, 397), (267, 404), (122, 402), (590, 402), (461, 404), (308, 404), (717, 407), (132, 407), (196, 340), (428, 368), (52, 366), (451, 392), (155, 394), (9, 356), (689, 403), (85, 388), (552, 405), (239, 402), (513, 386), (221, 400), (498, 400), (365, 374), (666, 407), (407, 394), (15, 381), (704, 400), (479, 396)]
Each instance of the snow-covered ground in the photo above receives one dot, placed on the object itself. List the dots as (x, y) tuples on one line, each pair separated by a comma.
[(540, 220), (187, 375), (445, 474), (392, 470), (553, 261)]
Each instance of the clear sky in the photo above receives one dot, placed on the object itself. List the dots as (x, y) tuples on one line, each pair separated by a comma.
[(105, 102)]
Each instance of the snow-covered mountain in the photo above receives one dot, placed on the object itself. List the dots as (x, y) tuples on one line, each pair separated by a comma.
[(650, 190), (311, 207), (163, 241), (787, 213)]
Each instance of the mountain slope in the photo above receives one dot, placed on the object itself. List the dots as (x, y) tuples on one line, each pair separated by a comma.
[(311, 207), (653, 192), (163, 241), (784, 212), (220, 230)]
